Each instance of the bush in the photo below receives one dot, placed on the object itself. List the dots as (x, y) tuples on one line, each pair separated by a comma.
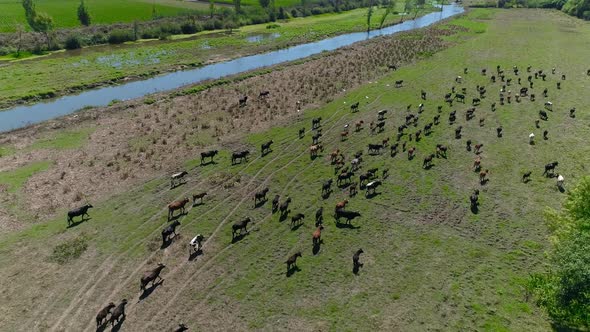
[(171, 29), (5, 50), (190, 28), (73, 42), (213, 24), (273, 26), (69, 250), (152, 33), (99, 38), (120, 36)]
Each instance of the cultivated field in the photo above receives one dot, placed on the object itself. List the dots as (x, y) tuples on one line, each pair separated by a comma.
[(103, 11), (429, 262)]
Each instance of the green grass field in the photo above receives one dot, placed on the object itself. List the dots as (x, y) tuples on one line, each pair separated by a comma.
[(102, 11), (79, 69), (429, 262)]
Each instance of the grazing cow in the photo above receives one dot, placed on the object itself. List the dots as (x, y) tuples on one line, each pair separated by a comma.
[(263, 94), (381, 115), (474, 199), (392, 67), (532, 138), (393, 149), (200, 197), (411, 153), (81, 211), (543, 115), (316, 138), (239, 226), (260, 196), (315, 122), (181, 328), (208, 154), (460, 97), (284, 207), (239, 155), (477, 163), (348, 215), (549, 105), (319, 217), (352, 189), (399, 84), (292, 260), (550, 168), (177, 205), (484, 71), (354, 164), (545, 93), (354, 107), (418, 133), (363, 178), (436, 119), (317, 236), (177, 178), (150, 276), (560, 180), (385, 173), (499, 131), (242, 101), (265, 147), (481, 122), (118, 313), (526, 177), (168, 231), (275, 203), (381, 126), (573, 112), (196, 244), (341, 205), (475, 101), (420, 108), (301, 132), (452, 117), (545, 133), (428, 161), (314, 149), (355, 260), (358, 125), (423, 95), (478, 148), (428, 129), (441, 151), (458, 132), (297, 219), (468, 145), (482, 176), (343, 135), (103, 313), (372, 186), (327, 187), (558, 85), (375, 148)]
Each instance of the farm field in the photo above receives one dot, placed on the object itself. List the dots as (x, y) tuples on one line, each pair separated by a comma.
[(103, 11), (430, 263), (72, 71)]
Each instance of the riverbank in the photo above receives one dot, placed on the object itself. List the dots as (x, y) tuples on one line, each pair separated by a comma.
[(63, 73)]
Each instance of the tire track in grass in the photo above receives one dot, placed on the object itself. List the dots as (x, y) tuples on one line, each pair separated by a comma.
[(284, 153)]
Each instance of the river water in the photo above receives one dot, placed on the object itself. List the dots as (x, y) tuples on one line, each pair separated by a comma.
[(22, 116)]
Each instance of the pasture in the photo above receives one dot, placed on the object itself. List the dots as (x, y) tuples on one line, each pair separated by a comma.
[(430, 263), (102, 11)]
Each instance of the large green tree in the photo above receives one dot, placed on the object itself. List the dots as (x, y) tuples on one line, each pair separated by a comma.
[(564, 290)]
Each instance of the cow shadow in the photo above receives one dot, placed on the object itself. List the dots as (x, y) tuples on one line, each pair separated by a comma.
[(148, 291), (346, 225), (117, 326), (356, 269), (429, 166), (77, 223), (260, 203), (372, 195), (239, 237), (292, 270), (474, 209), (284, 216), (193, 255), (296, 227), (177, 185), (326, 194), (211, 162), (316, 247), (168, 243)]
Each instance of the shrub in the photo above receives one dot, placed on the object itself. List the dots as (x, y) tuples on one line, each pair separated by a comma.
[(120, 36), (213, 24), (5, 50), (273, 26), (73, 42), (69, 250), (151, 33), (189, 28), (99, 38), (171, 29)]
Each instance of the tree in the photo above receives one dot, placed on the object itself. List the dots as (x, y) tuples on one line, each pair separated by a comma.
[(30, 12), (390, 9), (83, 14), (211, 8), (418, 6), (154, 12), (408, 7), (264, 3), (44, 24), (20, 30), (369, 15), (238, 6), (564, 290)]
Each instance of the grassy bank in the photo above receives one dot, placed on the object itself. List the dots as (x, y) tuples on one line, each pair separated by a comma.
[(429, 262), (72, 71)]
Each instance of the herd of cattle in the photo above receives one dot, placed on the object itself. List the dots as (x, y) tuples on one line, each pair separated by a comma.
[(347, 173)]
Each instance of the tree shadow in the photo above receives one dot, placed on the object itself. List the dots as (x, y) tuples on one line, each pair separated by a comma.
[(76, 223), (148, 291), (292, 270)]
